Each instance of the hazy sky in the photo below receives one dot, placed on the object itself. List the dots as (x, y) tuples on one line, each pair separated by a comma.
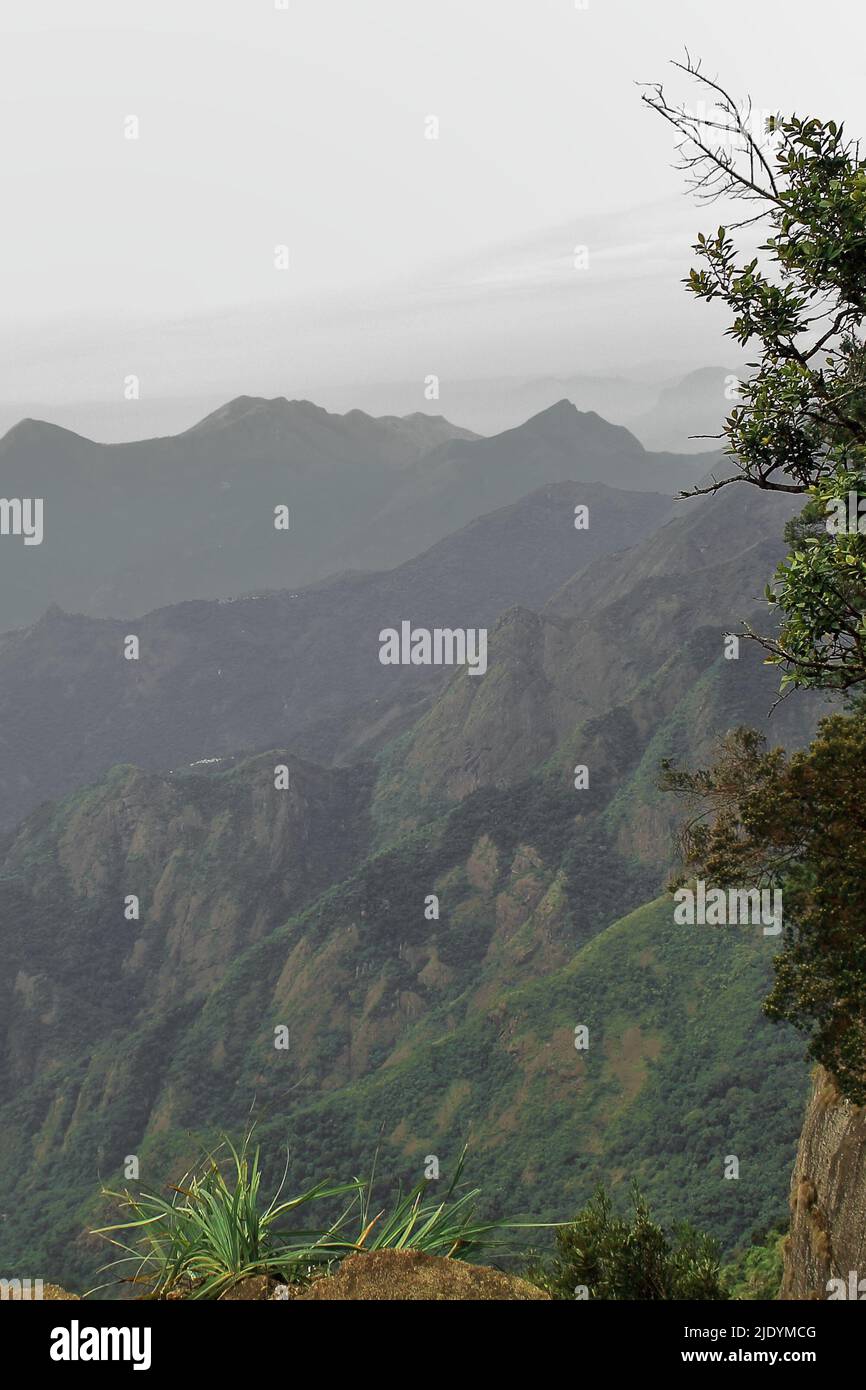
[(305, 126)]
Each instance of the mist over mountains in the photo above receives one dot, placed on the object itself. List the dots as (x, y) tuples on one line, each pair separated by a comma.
[(132, 527), (305, 906), (128, 527), (299, 666), (429, 794), (666, 408)]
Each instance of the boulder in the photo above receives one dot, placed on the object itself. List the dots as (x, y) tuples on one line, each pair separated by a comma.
[(408, 1274)]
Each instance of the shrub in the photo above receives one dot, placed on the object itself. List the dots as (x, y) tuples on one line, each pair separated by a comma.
[(600, 1255)]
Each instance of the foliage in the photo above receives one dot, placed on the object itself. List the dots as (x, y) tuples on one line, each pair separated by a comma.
[(214, 1231), (601, 1255), (800, 423), (797, 821), (670, 1082), (799, 427), (756, 1271), (168, 1064), (447, 1227), (820, 590)]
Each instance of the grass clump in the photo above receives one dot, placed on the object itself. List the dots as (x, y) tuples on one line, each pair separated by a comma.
[(448, 1227), (214, 1229)]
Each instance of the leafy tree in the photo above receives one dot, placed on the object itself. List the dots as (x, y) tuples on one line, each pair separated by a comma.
[(800, 423), (798, 821), (629, 1258), (799, 427)]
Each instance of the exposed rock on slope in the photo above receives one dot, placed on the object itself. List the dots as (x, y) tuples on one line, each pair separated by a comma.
[(628, 643), (828, 1196), (397, 1275), (216, 863), (307, 910)]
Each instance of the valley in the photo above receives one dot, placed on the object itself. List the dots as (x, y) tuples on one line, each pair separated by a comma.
[(300, 902)]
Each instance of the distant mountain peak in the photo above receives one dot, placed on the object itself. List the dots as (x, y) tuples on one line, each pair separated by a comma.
[(30, 433), (566, 407), (281, 408), (563, 421), (259, 407), (423, 416), (562, 410)]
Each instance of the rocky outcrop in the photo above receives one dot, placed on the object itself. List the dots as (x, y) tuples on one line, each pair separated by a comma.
[(827, 1240), (377, 1275), (398, 1275)]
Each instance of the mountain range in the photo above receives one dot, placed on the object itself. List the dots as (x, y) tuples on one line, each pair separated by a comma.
[(132, 527), (395, 863), (299, 667)]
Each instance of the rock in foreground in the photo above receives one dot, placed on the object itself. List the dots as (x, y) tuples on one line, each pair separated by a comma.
[(408, 1274), (827, 1242)]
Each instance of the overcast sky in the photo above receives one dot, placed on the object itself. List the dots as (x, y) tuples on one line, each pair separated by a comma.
[(260, 126)]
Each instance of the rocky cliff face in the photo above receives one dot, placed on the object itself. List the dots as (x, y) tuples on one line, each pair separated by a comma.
[(828, 1198)]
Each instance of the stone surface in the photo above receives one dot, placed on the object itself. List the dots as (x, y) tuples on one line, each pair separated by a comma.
[(827, 1239), (409, 1275), (251, 1290)]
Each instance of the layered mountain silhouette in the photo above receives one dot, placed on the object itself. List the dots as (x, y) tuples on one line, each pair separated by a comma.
[(629, 646), (299, 667), (559, 444), (308, 907), (132, 527), (680, 414)]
